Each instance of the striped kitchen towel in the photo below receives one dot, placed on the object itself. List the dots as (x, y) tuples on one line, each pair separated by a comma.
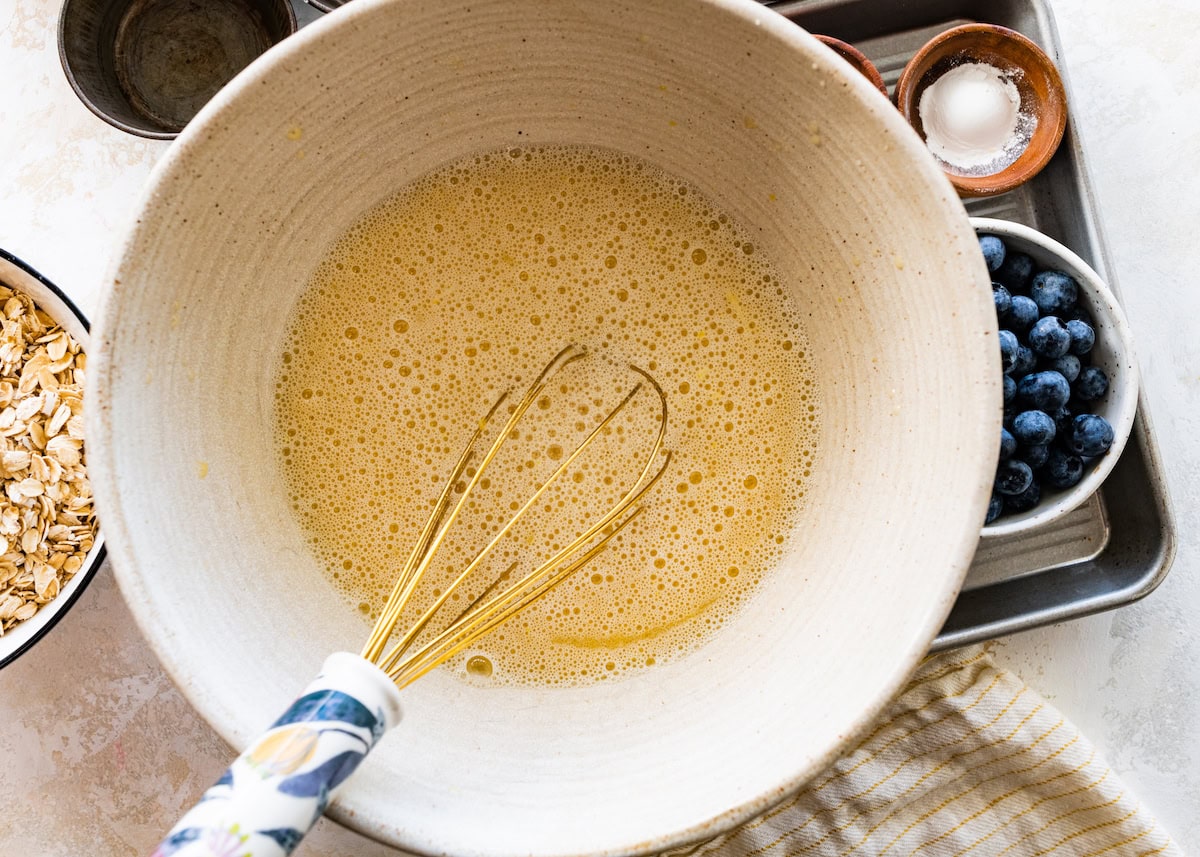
[(966, 762)]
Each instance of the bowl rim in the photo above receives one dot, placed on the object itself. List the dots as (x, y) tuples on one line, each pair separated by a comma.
[(909, 85), (131, 577), (59, 606), (326, 6), (1102, 302), (856, 58)]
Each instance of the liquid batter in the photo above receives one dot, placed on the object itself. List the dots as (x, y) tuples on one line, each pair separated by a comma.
[(465, 284)]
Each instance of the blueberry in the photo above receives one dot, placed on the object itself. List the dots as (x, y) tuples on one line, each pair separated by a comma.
[(1080, 314), (1008, 350), (993, 251), (1010, 389), (1002, 299), (1015, 272), (1091, 384), (1054, 292), (1035, 456), (1049, 337), (1025, 363), (1089, 436), (1008, 444), (1022, 313), (1013, 477), (1033, 428), (1024, 501), (1063, 470), (1068, 366), (1083, 336), (1062, 421), (1044, 391), (995, 507)]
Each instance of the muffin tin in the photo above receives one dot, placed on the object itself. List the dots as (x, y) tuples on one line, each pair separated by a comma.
[(1119, 545)]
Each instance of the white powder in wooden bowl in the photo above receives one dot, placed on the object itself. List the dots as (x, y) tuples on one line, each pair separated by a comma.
[(973, 119)]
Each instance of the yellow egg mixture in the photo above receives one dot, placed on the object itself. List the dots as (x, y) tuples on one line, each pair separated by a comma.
[(464, 285)]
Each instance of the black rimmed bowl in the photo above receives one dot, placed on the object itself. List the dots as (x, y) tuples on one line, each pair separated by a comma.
[(50, 299)]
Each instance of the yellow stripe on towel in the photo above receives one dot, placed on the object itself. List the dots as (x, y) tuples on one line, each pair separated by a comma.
[(966, 762)]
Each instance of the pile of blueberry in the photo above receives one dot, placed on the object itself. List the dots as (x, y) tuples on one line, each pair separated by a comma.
[(1046, 339)]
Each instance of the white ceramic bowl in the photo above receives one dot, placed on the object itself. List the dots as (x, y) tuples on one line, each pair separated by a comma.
[(1113, 352), (17, 275), (777, 130)]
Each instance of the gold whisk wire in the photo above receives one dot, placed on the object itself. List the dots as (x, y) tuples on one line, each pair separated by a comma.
[(428, 542), (491, 608)]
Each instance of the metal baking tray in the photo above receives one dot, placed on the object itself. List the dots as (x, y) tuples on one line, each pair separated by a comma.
[(1118, 546)]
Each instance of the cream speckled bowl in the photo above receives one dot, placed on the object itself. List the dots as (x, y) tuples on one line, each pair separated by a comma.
[(779, 131)]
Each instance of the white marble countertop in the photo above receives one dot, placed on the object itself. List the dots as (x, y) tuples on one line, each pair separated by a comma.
[(99, 752)]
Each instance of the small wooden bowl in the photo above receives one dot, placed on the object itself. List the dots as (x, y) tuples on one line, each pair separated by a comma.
[(148, 66), (856, 58), (1038, 82)]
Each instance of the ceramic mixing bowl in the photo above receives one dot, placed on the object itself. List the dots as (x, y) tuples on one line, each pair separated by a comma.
[(781, 133)]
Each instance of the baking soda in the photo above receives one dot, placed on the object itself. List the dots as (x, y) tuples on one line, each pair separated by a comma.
[(973, 119)]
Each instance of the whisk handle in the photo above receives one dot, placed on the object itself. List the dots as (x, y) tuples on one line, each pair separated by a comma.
[(273, 793)]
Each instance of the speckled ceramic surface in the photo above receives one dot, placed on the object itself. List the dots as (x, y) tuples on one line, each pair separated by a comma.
[(787, 138)]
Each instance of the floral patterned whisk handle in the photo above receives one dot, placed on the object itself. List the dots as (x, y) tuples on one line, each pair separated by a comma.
[(273, 793)]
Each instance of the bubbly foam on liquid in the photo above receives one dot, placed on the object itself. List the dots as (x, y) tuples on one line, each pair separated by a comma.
[(464, 285)]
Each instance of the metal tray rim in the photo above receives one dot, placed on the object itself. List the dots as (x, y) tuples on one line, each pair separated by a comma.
[(1158, 561)]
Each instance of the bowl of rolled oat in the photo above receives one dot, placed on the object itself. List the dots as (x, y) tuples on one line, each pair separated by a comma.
[(50, 546)]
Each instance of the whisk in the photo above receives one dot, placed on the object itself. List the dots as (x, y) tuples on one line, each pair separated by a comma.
[(275, 791)]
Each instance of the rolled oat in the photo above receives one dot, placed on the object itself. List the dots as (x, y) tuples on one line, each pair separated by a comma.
[(47, 523)]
